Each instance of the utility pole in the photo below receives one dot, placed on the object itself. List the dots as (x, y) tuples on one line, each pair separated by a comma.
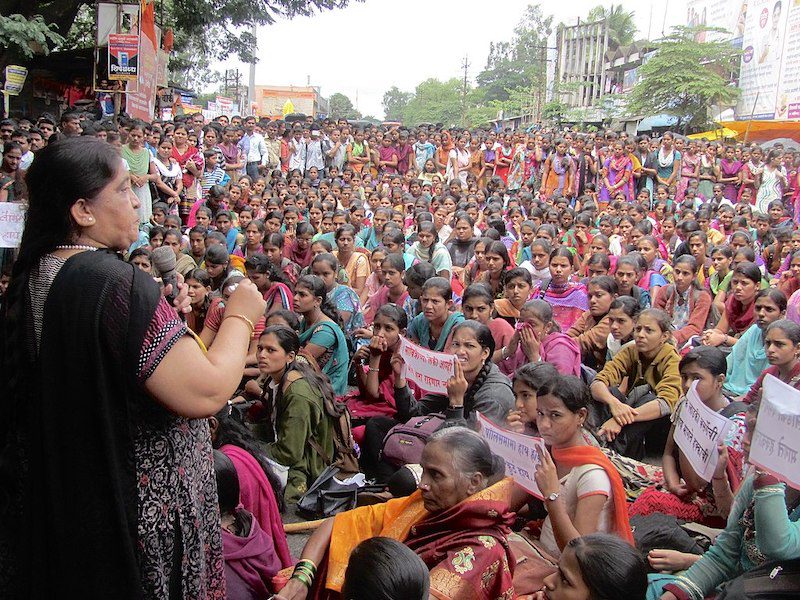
[(464, 66), (251, 88)]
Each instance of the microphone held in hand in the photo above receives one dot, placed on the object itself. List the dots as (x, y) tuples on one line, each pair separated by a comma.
[(164, 260)]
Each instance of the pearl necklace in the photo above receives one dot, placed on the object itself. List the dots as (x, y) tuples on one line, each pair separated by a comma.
[(76, 247)]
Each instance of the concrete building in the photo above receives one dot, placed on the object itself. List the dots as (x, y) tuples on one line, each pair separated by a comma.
[(270, 100), (580, 76)]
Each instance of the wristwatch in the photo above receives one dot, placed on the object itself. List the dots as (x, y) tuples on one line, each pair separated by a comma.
[(553, 497)]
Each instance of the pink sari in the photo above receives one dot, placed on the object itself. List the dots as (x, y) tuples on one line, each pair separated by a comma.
[(257, 496)]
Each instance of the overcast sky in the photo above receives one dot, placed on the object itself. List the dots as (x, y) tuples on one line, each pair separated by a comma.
[(338, 50)]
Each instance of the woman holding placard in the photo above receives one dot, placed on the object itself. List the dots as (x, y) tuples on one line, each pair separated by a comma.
[(758, 549), (476, 386), (686, 495), (782, 345), (582, 489)]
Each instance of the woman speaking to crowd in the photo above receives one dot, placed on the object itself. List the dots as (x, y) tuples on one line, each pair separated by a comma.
[(106, 478)]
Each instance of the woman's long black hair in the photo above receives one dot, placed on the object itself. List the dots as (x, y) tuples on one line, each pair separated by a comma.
[(232, 431), (65, 171)]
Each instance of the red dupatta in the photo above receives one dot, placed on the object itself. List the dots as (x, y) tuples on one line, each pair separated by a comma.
[(589, 455), (294, 254), (740, 317)]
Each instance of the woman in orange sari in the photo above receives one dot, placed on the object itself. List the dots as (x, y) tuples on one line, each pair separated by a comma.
[(456, 522), (558, 173)]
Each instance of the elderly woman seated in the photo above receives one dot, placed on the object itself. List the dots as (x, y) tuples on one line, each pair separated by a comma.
[(456, 522)]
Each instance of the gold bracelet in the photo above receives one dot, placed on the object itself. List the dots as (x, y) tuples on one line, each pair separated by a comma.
[(247, 321)]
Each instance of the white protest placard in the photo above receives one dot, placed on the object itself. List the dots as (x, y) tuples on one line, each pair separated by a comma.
[(428, 369), (12, 222), (522, 453), (698, 432), (776, 440)]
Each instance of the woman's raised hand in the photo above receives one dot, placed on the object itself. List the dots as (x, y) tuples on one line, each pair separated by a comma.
[(457, 386), (514, 421), (377, 345), (546, 475), (398, 363), (247, 301)]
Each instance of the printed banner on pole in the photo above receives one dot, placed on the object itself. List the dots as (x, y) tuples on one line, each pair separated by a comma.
[(15, 79), (776, 440), (522, 453), (123, 56), (12, 222), (698, 432), (428, 369)]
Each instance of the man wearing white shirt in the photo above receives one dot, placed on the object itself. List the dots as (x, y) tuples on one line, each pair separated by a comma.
[(254, 147), (314, 156)]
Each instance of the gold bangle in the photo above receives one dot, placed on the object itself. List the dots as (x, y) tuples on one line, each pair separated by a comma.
[(247, 321)]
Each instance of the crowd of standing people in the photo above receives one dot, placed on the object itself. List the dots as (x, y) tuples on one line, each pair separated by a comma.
[(157, 432)]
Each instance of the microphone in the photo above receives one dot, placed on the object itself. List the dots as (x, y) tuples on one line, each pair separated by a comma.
[(164, 260)]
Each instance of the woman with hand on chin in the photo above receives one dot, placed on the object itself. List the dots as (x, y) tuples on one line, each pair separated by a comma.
[(582, 490), (128, 391)]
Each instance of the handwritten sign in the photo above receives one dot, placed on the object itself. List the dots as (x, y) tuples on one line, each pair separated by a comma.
[(428, 369), (698, 432), (776, 440), (12, 222), (521, 452)]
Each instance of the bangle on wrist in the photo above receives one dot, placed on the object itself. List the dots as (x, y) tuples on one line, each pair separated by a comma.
[(244, 319), (372, 369)]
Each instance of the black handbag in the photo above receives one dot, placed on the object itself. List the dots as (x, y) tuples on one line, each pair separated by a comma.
[(775, 580), (328, 496)]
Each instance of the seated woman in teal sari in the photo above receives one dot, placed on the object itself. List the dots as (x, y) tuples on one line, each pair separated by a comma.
[(321, 336), (748, 358), (763, 531), (432, 327), (344, 298)]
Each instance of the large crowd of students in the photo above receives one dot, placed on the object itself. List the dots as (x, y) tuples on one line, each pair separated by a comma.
[(583, 282)]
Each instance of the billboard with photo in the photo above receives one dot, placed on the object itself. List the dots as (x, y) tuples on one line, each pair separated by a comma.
[(762, 54)]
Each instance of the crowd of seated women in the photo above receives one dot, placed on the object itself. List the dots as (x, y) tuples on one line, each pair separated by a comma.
[(581, 292)]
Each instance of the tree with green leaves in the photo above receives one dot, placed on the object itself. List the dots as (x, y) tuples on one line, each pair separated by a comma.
[(341, 107), (521, 62), (435, 101), (202, 27), (621, 27), (394, 103), (685, 77)]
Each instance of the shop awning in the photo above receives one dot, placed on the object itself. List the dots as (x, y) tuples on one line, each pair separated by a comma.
[(764, 131), (721, 133)]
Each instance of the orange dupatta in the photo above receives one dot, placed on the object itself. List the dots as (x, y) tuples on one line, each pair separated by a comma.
[(589, 455)]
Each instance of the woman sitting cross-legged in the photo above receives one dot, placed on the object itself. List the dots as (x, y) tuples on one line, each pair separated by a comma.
[(650, 366), (759, 546), (456, 522)]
